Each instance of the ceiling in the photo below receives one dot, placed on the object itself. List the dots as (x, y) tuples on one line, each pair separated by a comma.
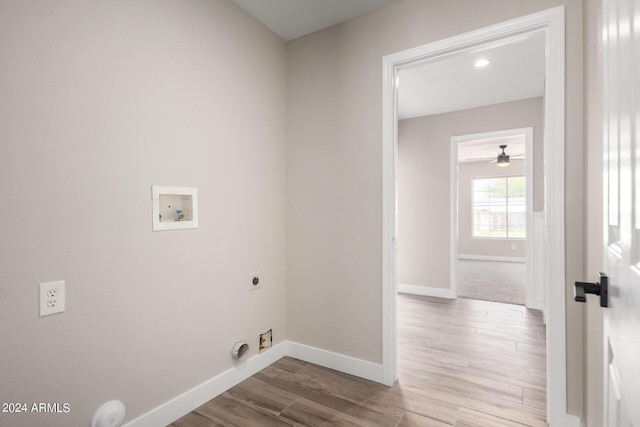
[(291, 19), (450, 83), (516, 71)]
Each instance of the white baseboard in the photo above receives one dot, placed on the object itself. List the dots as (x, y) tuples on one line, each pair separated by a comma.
[(188, 401), (339, 362), (572, 421), (181, 405), (426, 291), (537, 305), (491, 258)]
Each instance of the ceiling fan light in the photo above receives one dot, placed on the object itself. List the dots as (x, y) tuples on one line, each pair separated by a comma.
[(503, 160)]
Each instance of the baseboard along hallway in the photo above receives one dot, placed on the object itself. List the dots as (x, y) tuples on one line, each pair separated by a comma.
[(463, 363)]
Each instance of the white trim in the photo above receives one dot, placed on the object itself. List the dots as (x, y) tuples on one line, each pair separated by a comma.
[(453, 219), (186, 402), (389, 221), (492, 258), (427, 291), (339, 362), (550, 21), (537, 265), (530, 243), (554, 219), (572, 421)]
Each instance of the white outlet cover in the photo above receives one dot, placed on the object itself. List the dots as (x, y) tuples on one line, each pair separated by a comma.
[(52, 298)]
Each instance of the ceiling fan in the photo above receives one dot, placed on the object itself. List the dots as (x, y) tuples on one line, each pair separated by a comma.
[(503, 159)]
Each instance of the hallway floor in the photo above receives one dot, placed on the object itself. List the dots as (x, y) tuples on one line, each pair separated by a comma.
[(463, 363)]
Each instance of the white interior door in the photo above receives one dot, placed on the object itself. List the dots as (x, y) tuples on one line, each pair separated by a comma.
[(621, 56)]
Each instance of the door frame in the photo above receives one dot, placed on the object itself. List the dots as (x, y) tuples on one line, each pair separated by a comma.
[(550, 21), (530, 291)]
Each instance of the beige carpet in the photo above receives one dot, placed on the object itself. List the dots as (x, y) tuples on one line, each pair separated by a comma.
[(492, 281)]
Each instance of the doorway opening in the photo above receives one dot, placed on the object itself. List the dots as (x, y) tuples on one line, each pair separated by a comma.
[(551, 24), (494, 246)]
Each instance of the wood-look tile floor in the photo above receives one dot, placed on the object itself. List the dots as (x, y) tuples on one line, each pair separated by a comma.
[(463, 363)]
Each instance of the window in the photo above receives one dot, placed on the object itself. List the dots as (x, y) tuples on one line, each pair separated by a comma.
[(499, 207)]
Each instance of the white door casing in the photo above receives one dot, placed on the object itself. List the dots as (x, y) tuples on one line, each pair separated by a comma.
[(621, 56), (552, 23)]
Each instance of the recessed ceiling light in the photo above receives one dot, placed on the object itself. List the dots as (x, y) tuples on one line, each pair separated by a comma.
[(482, 62)]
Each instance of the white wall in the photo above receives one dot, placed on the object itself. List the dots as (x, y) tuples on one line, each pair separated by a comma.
[(334, 169), (424, 214), (99, 101)]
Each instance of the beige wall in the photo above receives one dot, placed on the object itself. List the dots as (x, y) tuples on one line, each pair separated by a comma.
[(423, 231), (424, 212), (99, 101), (593, 202), (334, 169)]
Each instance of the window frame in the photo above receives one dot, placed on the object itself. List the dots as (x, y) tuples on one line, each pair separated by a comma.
[(473, 213)]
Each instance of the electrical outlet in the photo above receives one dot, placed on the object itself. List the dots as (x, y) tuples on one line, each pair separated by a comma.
[(52, 298), (255, 281)]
